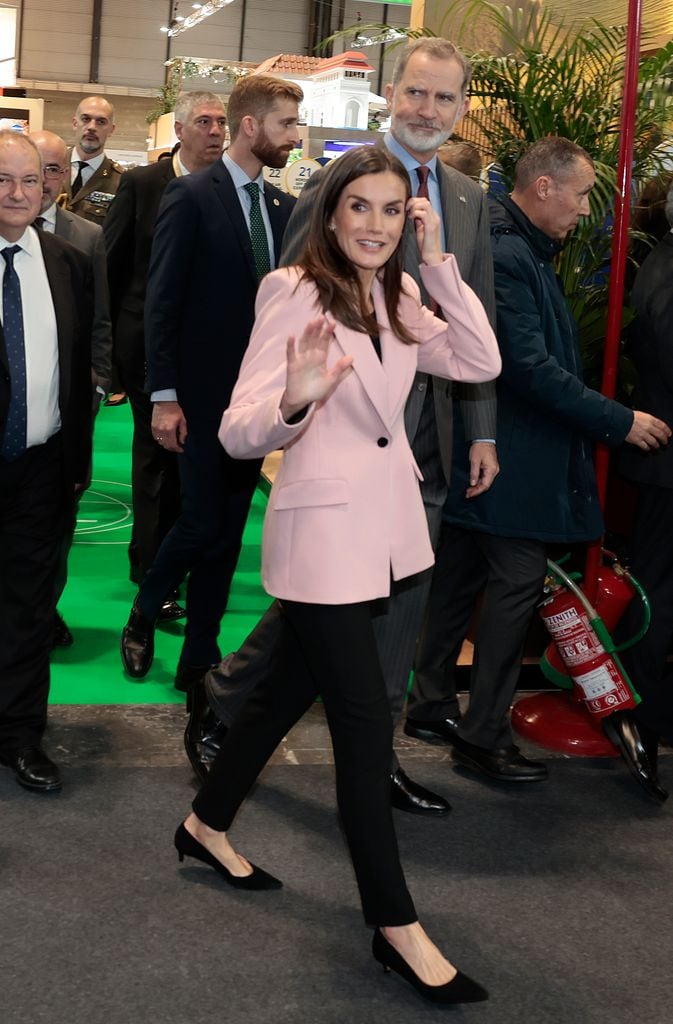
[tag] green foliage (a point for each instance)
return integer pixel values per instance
(167, 96)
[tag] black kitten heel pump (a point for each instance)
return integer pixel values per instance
(188, 846)
(460, 989)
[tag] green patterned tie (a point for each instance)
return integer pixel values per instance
(260, 244)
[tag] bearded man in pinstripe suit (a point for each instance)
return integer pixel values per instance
(427, 97)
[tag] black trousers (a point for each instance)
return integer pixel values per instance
(652, 565)
(204, 542)
(155, 480)
(331, 650)
(510, 571)
(33, 503)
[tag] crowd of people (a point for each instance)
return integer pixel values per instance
(356, 330)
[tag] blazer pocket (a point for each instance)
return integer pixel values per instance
(311, 493)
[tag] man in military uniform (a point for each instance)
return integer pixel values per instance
(94, 177)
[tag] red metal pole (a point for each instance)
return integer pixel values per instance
(617, 265)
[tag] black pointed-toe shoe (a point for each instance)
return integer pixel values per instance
(621, 729)
(33, 769)
(407, 795)
(204, 734)
(137, 644)
(188, 846)
(432, 730)
(460, 989)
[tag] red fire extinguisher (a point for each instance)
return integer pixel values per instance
(582, 642)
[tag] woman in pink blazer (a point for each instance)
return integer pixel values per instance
(330, 364)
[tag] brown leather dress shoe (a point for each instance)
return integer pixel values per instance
(33, 769)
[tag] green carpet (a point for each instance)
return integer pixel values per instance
(98, 596)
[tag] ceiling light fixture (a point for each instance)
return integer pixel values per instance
(201, 12)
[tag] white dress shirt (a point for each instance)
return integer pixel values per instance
(49, 218)
(40, 337)
(87, 172)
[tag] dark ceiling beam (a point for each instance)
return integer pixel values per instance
(94, 65)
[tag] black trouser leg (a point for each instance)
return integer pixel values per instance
(32, 504)
(458, 578)
(516, 573)
(205, 541)
(358, 714)
(652, 565)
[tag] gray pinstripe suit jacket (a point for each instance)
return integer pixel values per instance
(466, 228)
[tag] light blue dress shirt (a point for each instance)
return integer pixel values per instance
(411, 163)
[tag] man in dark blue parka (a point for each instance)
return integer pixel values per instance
(546, 491)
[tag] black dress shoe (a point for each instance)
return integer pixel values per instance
(170, 611)
(204, 734)
(137, 644)
(621, 729)
(432, 730)
(187, 676)
(505, 764)
(62, 637)
(409, 796)
(33, 769)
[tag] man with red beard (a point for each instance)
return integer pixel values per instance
(218, 232)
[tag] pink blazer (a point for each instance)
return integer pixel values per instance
(346, 510)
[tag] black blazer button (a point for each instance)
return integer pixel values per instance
(382, 442)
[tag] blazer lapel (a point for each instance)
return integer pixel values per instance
(366, 366)
(59, 283)
(384, 381)
(226, 194)
(276, 219)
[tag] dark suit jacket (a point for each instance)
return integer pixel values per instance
(129, 230)
(88, 238)
(93, 200)
(651, 345)
(466, 227)
(71, 282)
(201, 289)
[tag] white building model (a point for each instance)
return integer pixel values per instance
(336, 89)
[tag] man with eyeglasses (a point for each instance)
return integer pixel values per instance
(88, 238)
(94, 177)
(46, 288)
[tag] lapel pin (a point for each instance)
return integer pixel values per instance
(276, 202)
(462, 199)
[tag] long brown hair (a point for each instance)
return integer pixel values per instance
(324, 263)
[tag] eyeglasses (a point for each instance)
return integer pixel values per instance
(8, 181)
(53, 171)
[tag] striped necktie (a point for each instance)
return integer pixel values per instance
(260, 244)
(14, 441)
(423, 174)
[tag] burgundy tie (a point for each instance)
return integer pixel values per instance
(423, 173)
